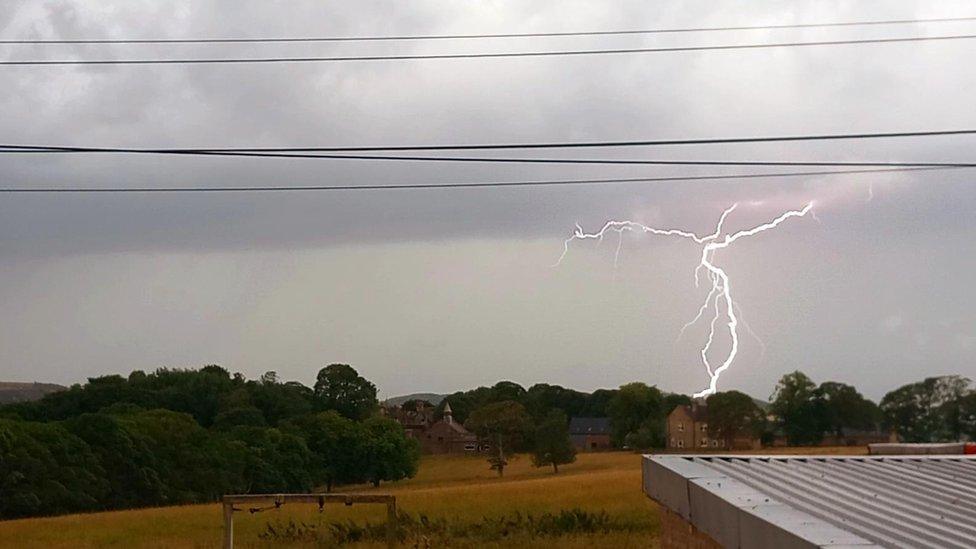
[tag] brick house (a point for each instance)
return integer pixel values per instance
(687, 429)
(590, 433)
(414, 422)
(447, 437)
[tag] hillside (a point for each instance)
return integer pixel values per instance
(432, 398)
(12, 391)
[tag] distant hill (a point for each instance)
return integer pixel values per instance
(432, 398)
(11, 391)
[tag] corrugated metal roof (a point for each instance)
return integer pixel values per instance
(890, 501)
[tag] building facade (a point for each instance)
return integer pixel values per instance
(590, 434)
(687, 429)
(436, 437)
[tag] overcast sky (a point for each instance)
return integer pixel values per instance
(440, 290)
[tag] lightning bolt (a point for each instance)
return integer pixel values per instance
(719, 298)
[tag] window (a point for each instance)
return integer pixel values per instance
(714, 444)
(704, 427)
(704, 442)
(681, 443)
(681, 427)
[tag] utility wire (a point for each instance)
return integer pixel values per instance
(490, 55)
(478, 36)
(486, 184)
(11, 147)
(526, 160)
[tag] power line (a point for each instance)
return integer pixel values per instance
(479, 36)
(486, 184)
(489, 55)
(526, 160)
(11, 148)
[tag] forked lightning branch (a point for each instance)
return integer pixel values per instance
(719, 298)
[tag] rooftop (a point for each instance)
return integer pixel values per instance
(589, 426)
(820, 501)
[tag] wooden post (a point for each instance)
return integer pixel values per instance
(278, 499)
(228, 525)
(391, 523)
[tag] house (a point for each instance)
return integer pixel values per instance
(447, 436)
(820, 501)
(415, 421)
(687, 429)
(590, 433)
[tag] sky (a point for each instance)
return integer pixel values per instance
(442, 290)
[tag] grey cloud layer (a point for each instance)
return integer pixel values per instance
(873, 274)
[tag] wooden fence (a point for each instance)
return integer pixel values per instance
(321, 499)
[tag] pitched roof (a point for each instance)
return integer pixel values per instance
(821, 501)
(589, 426)
(698, 413)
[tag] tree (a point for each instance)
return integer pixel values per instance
(338, 447)
(845, 408)
(967, 415)
(673, 400)
(502, 425)
(732, 414)
(552, 443)
(926, 411)
(598, 402)
(799, 409)
(635, 406)
(542, 398)
(389, 454)
(339, 387)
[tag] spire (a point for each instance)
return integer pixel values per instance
(448, 413)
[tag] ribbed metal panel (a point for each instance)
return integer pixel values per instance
(894, 501)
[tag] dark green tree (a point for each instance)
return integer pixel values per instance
(502, 425)
(846, 408)
(339, 387)
(636, 406)
(967, 415)
(799, 409)
(732, 414)
(389, 453)
(552, 445)
(337, 444)
(928, 410)
(542, 398)
(673, 400)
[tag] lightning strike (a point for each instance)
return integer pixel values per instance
(719, 298)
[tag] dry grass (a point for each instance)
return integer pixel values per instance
(458, 488)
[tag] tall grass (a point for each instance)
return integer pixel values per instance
(451, 490)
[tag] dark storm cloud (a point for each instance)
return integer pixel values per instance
(778, 91)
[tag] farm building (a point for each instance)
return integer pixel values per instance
(835, 502)
(448, 437)
(590, 433)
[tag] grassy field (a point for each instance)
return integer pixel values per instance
(457, 489)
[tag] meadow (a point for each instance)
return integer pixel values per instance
(461, 490)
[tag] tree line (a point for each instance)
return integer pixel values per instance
(799, 410)
(185, 436)
(178, 436)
